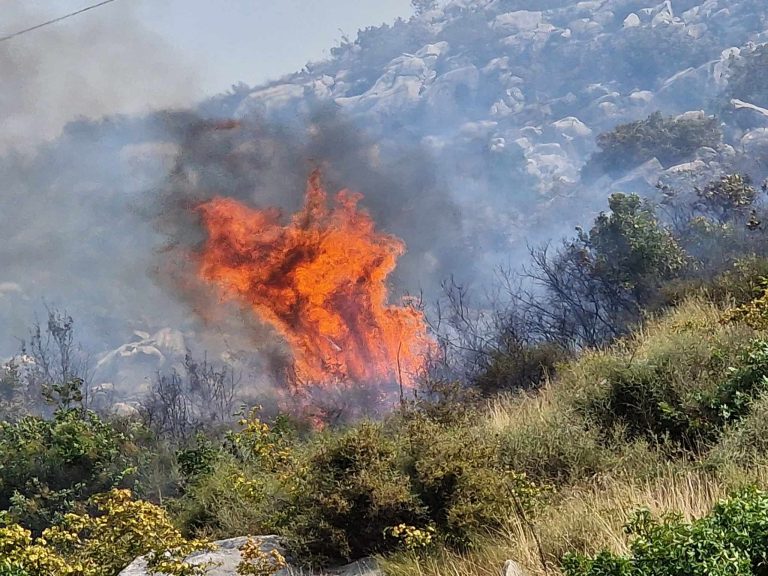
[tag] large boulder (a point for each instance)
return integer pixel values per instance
(223, 561)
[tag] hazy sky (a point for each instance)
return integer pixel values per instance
(226, 41)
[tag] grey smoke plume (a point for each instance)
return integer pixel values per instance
(70, 233)
(104, 62)
(267, 165)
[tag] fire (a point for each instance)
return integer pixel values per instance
(321, 281)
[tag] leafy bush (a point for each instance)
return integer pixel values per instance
(236, 488)
(518, 366)
(257, 562)
(460, 477)
(670, 140)
(9, 568)
(552, 446)
(407, 482)
(654, 399)
(746, 79)
(731, 541)
(598, 284)
(49, 465)
(101, 544)
(745, 444)
(353, 489)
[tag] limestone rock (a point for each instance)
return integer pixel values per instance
(225, 558)
(512, 568)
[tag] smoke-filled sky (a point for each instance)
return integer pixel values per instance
(73, 206)
(134, 55)
(257, 40)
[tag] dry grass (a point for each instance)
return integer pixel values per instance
(585, 519)
(547, 432)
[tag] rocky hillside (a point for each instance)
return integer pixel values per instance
(509, 95)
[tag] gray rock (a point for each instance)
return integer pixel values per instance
(225, 558)
(632, 21)
(512, 568)
(641, 179)
(520, 21)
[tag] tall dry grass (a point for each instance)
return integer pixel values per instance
(584, 519)
(600, 481)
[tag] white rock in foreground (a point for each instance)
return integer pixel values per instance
(226, 557)
(512, 568)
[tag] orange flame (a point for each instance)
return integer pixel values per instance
(320, 281)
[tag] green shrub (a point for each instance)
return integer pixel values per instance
(554, 448)
(102, 543)
(746, 77)
(352, 490)
(233, 500)
(596, 287)
(739, 283)
(460, 477)
(731, 541)
(744, 444)
(8, 568)
(197, 461)
(654, 399)
(49, 465)
(517, 366)
(668, 139)
(237, 488)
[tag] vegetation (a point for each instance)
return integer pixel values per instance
(731, 541)
(100, 544)
(610, 420)
(670, 140)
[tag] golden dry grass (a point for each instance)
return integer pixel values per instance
(585, 519)
(596, 499)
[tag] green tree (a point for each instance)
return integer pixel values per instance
(598, 283)
(670, 140)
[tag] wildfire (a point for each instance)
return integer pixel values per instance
(320, 281)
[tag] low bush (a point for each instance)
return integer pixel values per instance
(461, 479)
(48, 466)
(352, 490)
(642, 403)
(545, 438)
(237, 488)
(731, 541)
(99, 544)
(670, 140)
(744, 444)
(519, 367)
(672, 382)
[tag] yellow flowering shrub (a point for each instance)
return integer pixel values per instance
(261, 444)
(754, 313)
(102, 544)
(411, 537)
(257, 562)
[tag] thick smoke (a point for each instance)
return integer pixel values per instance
(266, 165)
(70, 234)
(87, 69)
(101, 221)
